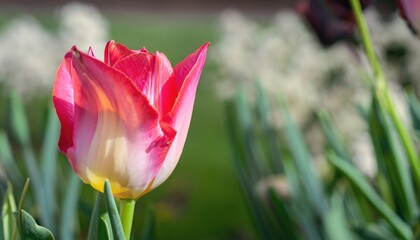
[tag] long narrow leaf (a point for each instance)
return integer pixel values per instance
(357, 179)
(335, 221)
(268, 129)
(105, 228)
(283, 216)
(94, 219)
(17, 121)
(332, 136)
(69, 213)
(149, 225)
(20, 130)
(38, 187)
(244, 176)
(336, 143)
(404, 135)
(8, 224)
(414, 106)
(256, 159)
(391, 157)
(300, 206)
(49, 159)
(303, 161)
(9, 163)
(114, 217)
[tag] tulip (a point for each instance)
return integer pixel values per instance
(328, 27)
(342, 8)
(126, 118)
(331, 20)
(410, 11)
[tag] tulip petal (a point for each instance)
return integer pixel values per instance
(183, 86)
(149, 73)
(118, 135)
(190, 69)
(64, 103)
(161, 73)
(114, 52)
(138, 68)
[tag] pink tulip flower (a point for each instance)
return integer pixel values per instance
(126, 118)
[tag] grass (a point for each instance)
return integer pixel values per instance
(201, 199)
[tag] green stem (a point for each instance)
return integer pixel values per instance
(404, 135)
(126, 214)
(367, 42)
(383, 92)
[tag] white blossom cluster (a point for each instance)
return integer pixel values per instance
(30, 54)
(286, 58)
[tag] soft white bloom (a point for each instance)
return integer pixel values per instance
(30, 54)
(285, 57)
(82, 25)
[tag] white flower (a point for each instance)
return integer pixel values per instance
(82, 25)
(287, 59)
(30, 54)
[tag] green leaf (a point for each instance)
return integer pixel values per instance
(20, 131)
(283, 216)
(379, 231)
(29, 229)
(94, 219)
(19, 127)
(105, 228)
(392, 161)
(17, 120)
(49, 160)
(332, 135)
(335, 221)
(114, 217)
(245, 175)
(32, 168)
(7, 160)
(303, 161)
(8, 220)
(414, 106)
(69, 212)
(149, 225)
(255, 158)
(300, 204)
(359, 182)
(268, 128)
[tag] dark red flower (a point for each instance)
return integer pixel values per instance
(332, 20)
(328, 27)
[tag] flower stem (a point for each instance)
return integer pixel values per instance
(367, 43)
(126, 214)
(381, 89)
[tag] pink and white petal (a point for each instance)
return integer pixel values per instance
(119, 135)
(180, 115)
(114, 52)
(64, 103)
(161, 73)
(186, 72)
(138, 68)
